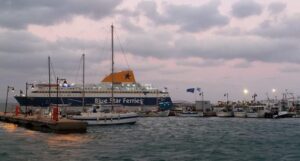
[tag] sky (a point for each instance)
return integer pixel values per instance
(220, 46)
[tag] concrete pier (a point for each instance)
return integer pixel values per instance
(45, 124)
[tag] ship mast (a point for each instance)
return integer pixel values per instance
(83, 74)
(112, 67)
(49, 75)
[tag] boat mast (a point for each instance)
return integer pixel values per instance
(49, 76)
(112, 67)
(83, 91)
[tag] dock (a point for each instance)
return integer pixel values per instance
(45, 124)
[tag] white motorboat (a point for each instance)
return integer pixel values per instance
(164, 113)
(224, 112)
(285, 114)
(96, 116)
(256, 111)
(190, 114)
(239, 112)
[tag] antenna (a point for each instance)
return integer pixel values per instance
(83, 75)
(112, 67)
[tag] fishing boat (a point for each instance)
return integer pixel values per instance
(256, 111)
(190, 114)
(239, 111)
(156, 113)
(224, 112)
(285, 110)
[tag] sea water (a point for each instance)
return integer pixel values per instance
(160, 139)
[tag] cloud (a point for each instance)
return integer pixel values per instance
(242, 64)
(130, 26)
(246, 8)
(188, 18)
(250, 48)
(276, 7)
(24, 54)
(197, 62)
(287, 27)
(19, 14)
(290, 69)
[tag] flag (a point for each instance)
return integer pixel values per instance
(255, 95)
(200, 94)
(198, 89)
(190, 90)
(225, 94)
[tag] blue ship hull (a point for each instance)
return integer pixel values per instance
(88, 101)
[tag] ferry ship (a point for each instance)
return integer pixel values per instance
(127, 93)
(117, 88)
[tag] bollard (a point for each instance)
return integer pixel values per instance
(55, 113)
(17, 110)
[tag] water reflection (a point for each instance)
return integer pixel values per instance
(9, 127)
(62, 140)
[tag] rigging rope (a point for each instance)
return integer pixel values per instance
(122, 51)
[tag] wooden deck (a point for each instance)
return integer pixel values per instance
(45, 123)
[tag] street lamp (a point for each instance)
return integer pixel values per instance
(274, 91)
(8, 88)
(27, 84)
(246, 92)
(57, 88)
(227, 101)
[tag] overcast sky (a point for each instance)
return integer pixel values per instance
(221, 46)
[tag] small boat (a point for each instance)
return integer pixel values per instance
(164, 113)
(98, 116)
(189, 111)
(256, 111)
(285, 114)
(239, 112)
(190, 114)
(224, 112)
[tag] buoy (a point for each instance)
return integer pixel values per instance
(17, 110)
(55, 113)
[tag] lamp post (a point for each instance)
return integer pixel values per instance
(246, 92)
(27, 84)
(274, 93)
(8, 87)
(57, 88)
(227, 101)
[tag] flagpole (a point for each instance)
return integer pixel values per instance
(202, 101)
(227, 99)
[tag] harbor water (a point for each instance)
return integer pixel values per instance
(160, 139)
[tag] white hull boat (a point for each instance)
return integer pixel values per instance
(260, 114)
(190, 114)
(239, 114)
(155, 114)
(285, 114)
(224, 114)
(252, 114)
(101, 118)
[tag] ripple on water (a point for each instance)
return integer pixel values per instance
(165, 139)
